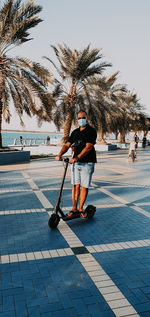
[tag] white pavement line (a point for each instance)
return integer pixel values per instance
(11, 178)
(23, 211)
(73, 241)
(136, 208)
(44, 201)
(109, 206)
(141, 211)
(94, 269)
(111, 293)
(143, 204)
(37, 255)
(108, 193)
(69, 235)
(118, 246)
(55, 188)
(14, 190)
(106, 286)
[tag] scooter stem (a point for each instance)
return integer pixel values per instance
(57, 208)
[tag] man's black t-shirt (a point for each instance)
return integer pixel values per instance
(79, 139)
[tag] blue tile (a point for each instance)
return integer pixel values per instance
(15, 184)
(50, 183)
(80, 306)
(51, 307)
(8, 303)
(19, 200)
(145, 314)
(66, 313)
(33, 312)
(37, 302)
(132, 194)
(21, 309)
(96, 309)
(29, 233)
(111, 225)
(140, 308)
(49, 314)
(65, 301)
(79, 294)
(13, 291)
(132, 288)
(8, 314)
(147, 207)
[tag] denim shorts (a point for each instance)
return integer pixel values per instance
(81, 173)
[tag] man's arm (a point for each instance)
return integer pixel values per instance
(63, 150)
(84, 152)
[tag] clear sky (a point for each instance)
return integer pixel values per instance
(121, 28)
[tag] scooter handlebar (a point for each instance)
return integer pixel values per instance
(66, 160)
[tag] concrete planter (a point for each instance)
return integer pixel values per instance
(105, 147)
(14, 157)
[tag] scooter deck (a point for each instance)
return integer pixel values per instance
(74, 216)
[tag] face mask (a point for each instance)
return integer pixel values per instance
(82, 122)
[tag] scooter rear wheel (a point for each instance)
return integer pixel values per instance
(53, 221)
(90, 210)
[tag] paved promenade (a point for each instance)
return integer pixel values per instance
(98, 267)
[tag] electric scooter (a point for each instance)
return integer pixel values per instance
(58, 213)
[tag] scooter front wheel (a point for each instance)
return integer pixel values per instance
(53, 221)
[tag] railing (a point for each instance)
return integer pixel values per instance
(35, 141)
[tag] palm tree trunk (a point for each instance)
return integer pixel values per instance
(71, 100)
(0, 124)
(67, 128)
(145, 133)
(116, 135)
(122, 137)
(100, 136)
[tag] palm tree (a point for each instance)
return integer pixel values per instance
(103, 109)
(21, 81)
(129, 107)
(71, 91)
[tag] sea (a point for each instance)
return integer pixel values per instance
(8, 138)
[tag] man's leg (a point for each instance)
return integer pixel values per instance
(75, 196)
(83, 196)
(87, 170)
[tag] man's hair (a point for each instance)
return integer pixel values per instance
(81, 110)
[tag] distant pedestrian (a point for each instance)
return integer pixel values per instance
(132, 147)
(136, 139)
(48, 140)
(144, 142)
(21, 141)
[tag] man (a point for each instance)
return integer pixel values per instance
(82, 141)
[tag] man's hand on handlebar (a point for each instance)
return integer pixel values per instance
(58, 158)
(72, 160)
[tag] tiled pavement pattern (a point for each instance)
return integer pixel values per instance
(97, 267)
